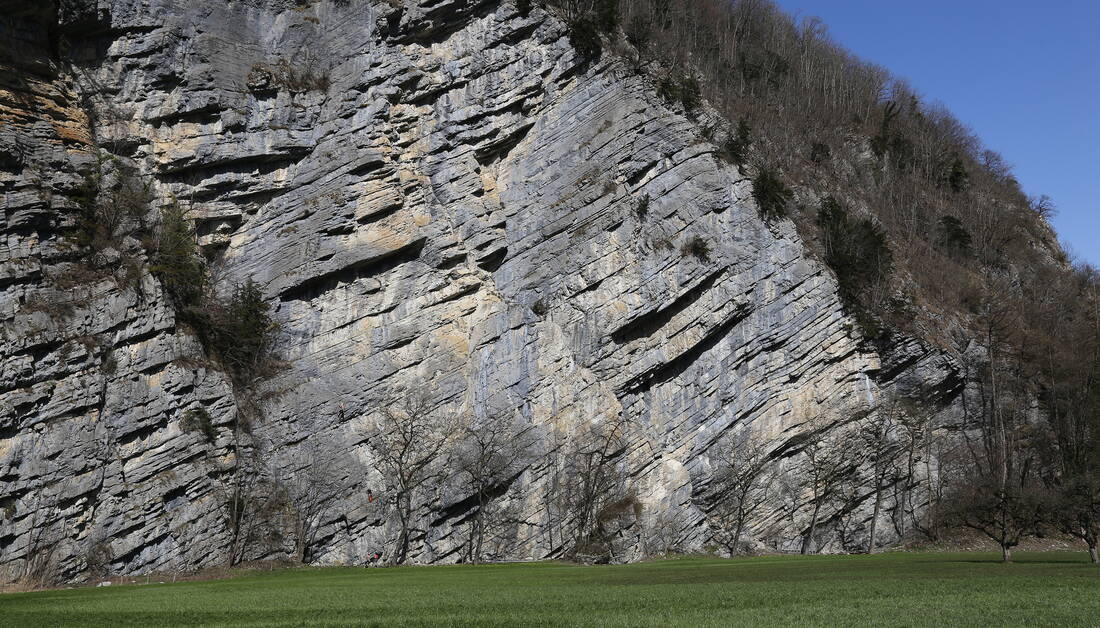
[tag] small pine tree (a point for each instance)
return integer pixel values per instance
(771, 194)
(958, 178)
(642, 208)
(176, 259)
(606, 15)
(247, 329)
(585, 38)
(953, 237)
(858, 252)
(691, 95)
(820, 152)
(736, 147)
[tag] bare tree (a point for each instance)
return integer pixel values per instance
(847, 518)
(588, 487)
(998, 493)
(311, 489)
(918, 460)
(1004, 513)
(1077, 511)
(244, 501)
(40, 566)
(664, 533)
(879, 436)
(492, 453)
(741, 485)
(829, 459)
(1070, 313)
(409, 438)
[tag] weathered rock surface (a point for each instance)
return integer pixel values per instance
(440, 197)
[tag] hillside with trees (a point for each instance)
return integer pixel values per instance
(928, 232)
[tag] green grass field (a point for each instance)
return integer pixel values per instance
(918, 589)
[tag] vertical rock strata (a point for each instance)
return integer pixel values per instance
(441, 197)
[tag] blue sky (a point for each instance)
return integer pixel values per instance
(1024, 75)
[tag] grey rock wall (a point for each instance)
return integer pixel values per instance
(437, 197)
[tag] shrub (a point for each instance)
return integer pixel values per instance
(735, 149)
(858, 253)
(249, 330)
(661, 242)
(198, 420)
(820, 152)
(238, 332)
(697, 247)
(296, 79)
(88, 231)
(952, 237)
(176, 259)
(642, 208)
(683, 89)
(540, 308)
(585, 38)
(771, 194)
(98, 559)
(109, 209)
(958, 179)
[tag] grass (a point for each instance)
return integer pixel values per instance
(897, 589)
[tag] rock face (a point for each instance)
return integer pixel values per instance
(438, 196)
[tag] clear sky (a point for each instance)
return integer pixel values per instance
(1023, 74)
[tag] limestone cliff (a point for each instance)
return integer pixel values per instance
(439, 196)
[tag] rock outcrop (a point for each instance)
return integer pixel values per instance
(438, 196)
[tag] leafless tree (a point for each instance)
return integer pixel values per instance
(491, 454)
(40, 566)
(664, 534)
(742, 484)
(243, 501)
(1044, 207)
(1003, 512)
(828, 458)
(588, 488)
(921, 460)
(410, 438)
(1076, 511)
(998, 494)
(310, 491)
(881, 445)
(847, 518)
(1068, 312)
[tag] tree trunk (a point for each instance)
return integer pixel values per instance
(809, 538)
(479, 534)
(874, 516)
(402, 546)
(737, 539)
(405, 505)
(1006, 554)
(1093, 555)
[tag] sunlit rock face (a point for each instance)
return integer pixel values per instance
(441, 197)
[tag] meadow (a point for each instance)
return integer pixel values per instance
(893, 589)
